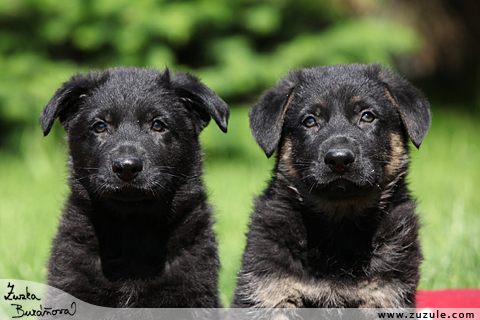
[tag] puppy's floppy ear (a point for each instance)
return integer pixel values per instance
(266, 117)
(412, 106)
(66, 100)
(204, 101)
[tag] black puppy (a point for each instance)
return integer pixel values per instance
(336, 225)
(136, 229)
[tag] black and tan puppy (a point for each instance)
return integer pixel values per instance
(136, 229)
(336, 226)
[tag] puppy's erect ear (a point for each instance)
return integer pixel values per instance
(412, 106)
(67, 99)
(266, 117)
(204, 101)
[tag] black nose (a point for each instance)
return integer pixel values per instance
(339, 159)
(127, 168)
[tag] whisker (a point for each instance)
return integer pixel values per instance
(311, 187)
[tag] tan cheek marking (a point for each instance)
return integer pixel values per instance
(286, 162)
(398, 156)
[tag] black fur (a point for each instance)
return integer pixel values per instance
(136, 229)
(336, 226)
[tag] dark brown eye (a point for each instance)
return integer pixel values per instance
(368, 117)
(309, 122)
(158, 126)
(100, 127)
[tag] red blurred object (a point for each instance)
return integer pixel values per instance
(448, 298)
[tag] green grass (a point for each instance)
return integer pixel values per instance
(445, 177)
(31, 191)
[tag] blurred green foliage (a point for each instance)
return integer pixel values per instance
(238, 47)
